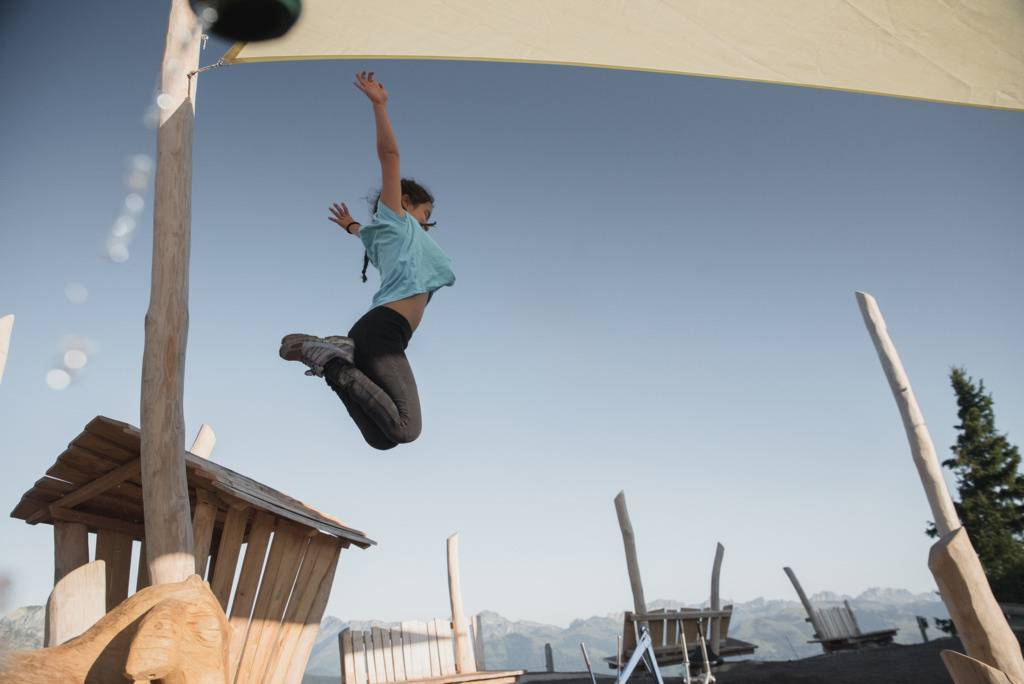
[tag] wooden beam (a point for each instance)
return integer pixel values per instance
(966, 670)
(164, 486)
(632, 564)
(248, 581)
(549, 659)
(70, 547)
(6, 325)
(99, 522)
(115, 550)
(142, 576)
(921, 446)
(89, 490)
(716, 600)
(463, 650)
(811, 615)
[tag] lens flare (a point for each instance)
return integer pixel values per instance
(76, 293)
(58, 379)
(75, 359)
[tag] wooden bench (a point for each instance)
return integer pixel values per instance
(671, 630)
(438, 651)
(835, 627)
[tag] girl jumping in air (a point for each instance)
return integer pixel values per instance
(368, 368)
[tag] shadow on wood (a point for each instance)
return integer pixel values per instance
(173, 632)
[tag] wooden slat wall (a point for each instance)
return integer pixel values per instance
(410, 652)
(248, 582)
(231, 537)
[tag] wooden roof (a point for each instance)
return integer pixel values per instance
(96, 481)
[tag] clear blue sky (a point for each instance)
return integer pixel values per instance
(655, 293)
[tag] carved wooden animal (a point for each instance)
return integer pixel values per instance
(173, 632)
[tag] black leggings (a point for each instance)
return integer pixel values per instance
(379, 391)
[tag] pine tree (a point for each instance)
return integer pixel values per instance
(991, 489)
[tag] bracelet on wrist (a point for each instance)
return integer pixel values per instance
(349, 226)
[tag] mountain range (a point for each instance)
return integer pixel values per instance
(778, 628)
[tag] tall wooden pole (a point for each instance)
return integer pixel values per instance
(716, 599)
(463, 649)
(632, 564)
(953, 561)
(164, 487)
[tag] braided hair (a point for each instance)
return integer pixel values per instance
(416, 193)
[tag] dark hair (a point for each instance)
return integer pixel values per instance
(417, 195)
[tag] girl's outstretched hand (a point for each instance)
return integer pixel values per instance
(340, 215)
(373, 89)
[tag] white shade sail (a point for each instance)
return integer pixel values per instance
(959, 51)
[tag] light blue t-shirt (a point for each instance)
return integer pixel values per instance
(409, 260)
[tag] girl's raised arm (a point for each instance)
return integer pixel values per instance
(387, 146)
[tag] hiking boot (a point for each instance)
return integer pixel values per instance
(317, 353)
(291, 345)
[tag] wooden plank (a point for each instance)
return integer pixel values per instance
(92, 489)
(117, 432)
(115, 550)
(202, 445)
(398, 654)
(360, 661)
(228, 551)
(715, 627)
(804, 600)
(307, 638)
(549, 659)
(286, 552)
(416, 649)
(202, 531)
(97, 522)
(463, 651)
(70, 548)
(77, 602)
(477, 630)
(432, 651)
(316, 562)
(248, 581)
(142, 577)
(380, 664)
(348, 665)
(504, 677)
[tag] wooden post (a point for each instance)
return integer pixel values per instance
(921, 445)
(716, 600)
(6, 324)
(549, 658)
(811, 617)
(477, 625)
(463, 649)
(965, 590)
(922, 624)
(979, 621)
(164, 487)
(70, 548)
(629, 543)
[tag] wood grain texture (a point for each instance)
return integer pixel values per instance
(286, 552)
(348, 665)
(248, 582)
(174, 632)
(166, 503)
(202, 531)
(228, 550)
